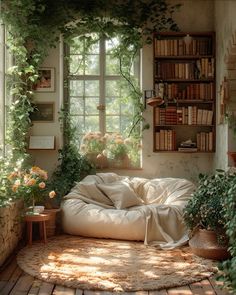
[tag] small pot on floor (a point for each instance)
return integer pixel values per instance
(204, 244)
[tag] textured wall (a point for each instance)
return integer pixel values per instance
(11, 226)
(225, 26)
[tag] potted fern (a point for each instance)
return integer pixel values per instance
(205, 216)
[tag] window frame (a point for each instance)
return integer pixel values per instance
(102, 78)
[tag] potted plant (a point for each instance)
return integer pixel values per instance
(30, 185)
(205, 216)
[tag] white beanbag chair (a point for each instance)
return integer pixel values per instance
(106, 205)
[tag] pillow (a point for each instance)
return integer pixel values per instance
(121, 194)
(90, 190)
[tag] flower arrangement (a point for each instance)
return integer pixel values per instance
(30, 184)
(115, 146)
(111, 146)
(92, 142)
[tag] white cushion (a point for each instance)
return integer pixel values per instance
(90, 190)
(121, 194)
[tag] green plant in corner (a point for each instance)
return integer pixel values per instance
(206, 209)
(228, 267)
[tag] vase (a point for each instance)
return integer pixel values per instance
(51, 223)
(204, 244)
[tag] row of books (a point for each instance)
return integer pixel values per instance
(165, 140)
(200, 69)
(198, 91)
(174, 47)
(205, 141)
(191, 115)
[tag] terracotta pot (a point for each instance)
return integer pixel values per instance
(204, 243)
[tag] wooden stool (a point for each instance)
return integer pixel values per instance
(41, 219)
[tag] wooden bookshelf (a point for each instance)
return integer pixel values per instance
(184, 70)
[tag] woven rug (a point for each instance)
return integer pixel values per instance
(112, 265)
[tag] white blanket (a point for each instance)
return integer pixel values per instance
(88, 211)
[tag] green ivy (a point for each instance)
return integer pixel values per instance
(34, 26)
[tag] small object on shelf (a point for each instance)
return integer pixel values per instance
(155, 101)
(188, 144)
(187, 149)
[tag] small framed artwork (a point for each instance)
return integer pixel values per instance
(46, 80)
(44, 112)
(42, 143)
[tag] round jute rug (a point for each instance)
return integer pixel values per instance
(112, 265)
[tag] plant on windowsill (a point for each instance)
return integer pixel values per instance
(204, 216)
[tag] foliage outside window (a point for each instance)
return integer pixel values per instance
(100, 99)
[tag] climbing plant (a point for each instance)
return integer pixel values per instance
(34, 27)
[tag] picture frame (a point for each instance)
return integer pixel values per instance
(44, 112)
(46, 80)
(42, 142)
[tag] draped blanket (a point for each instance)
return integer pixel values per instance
(107, 205)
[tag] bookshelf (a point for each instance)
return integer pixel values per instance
(184, 76)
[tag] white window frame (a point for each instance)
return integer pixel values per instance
(102, 78)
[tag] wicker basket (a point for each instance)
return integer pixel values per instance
(204, 243)
(51, 223)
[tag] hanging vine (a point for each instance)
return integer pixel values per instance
(34, 28)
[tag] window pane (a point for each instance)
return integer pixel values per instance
(111, 44)
(91, 123)
(78, 123)
(112, 88)
(77, 106)
(76, 88)
(91, 88)
(112, 106)
(126, 107)
(112, 124)
(76, 65)
(92, 65)
(112, 65)
(126, 123)
(91, 104)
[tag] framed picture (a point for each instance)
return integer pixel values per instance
(44, 112)
(46, 80)
(42, 143)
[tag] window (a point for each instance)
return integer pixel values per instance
(5, 97)
(2, 88)
(98, 96)
(100, 100)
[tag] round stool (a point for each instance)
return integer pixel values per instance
(41, 219)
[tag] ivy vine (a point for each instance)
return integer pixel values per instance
(34, 27)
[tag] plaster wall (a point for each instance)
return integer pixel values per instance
(225, 26)
(192, 16)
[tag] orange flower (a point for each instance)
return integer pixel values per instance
(31, 182)
(42, 184)
(12, 175)
(52, 194)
